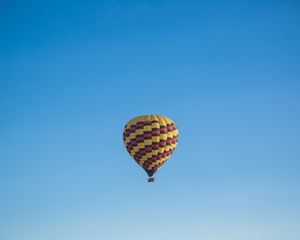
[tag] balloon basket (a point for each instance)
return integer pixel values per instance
(151, 179)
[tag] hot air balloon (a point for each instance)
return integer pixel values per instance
(150, 140)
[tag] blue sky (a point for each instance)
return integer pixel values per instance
(72, 73)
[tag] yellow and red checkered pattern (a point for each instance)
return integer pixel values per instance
(150, 140)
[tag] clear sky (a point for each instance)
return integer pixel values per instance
(72, 73)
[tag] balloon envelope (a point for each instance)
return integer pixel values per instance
(150, 140)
